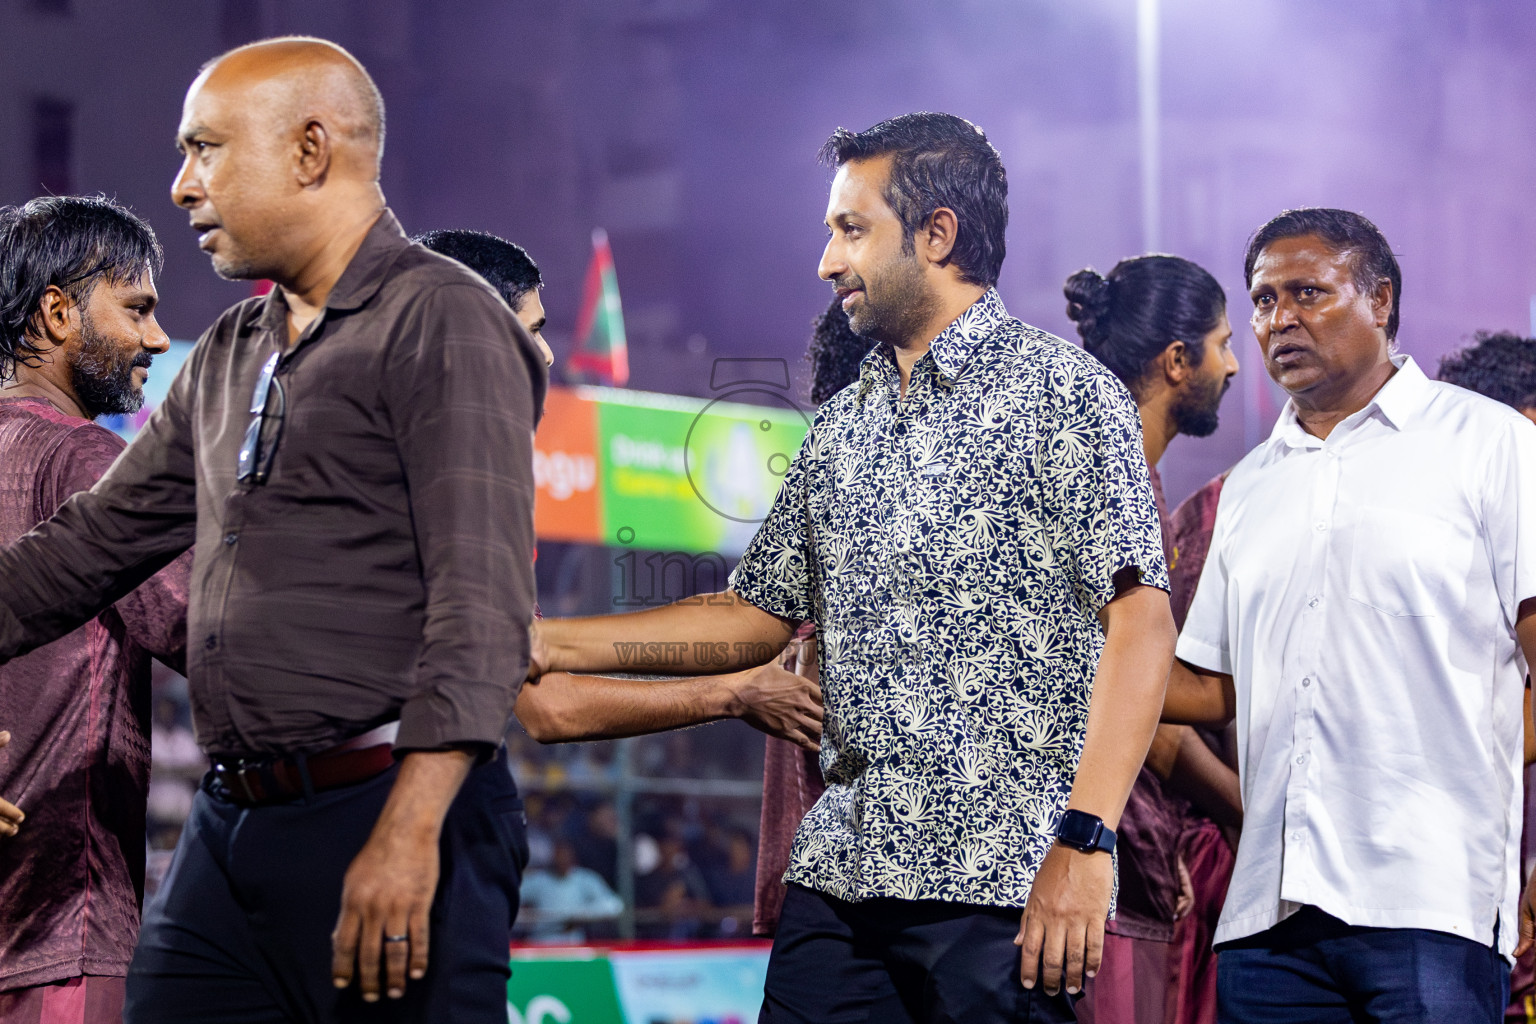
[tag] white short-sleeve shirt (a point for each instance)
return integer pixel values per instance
(1363, 593)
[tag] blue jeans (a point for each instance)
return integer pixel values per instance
(1316, 969)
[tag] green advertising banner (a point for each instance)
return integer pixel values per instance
(697, 984)
(562, 991)
(679, 474)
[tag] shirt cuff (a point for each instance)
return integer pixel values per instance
(772, 600)
(436, 721)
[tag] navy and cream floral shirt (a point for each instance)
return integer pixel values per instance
(954, 548)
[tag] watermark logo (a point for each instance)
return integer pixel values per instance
(735, 465)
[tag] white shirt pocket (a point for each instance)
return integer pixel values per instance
(1410, 563)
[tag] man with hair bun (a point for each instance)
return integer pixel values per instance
(1365, 615)
(1160, 324)
(78, 337)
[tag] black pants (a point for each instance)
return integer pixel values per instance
(240, 931)
(884, 961)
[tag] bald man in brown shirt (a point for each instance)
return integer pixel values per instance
(352, 455)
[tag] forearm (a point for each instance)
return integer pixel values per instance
(699, 635)
(559, 707)
(424, 788)
(1197, 697)
(1127, 696)
(1205, 780)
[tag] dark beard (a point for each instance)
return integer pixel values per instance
(1195, 413)
(102, 373)
(903, 309)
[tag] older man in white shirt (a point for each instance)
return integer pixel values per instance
(1365, 616)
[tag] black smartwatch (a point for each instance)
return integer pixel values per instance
(1086, 832)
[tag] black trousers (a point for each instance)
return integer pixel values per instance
(885, 961)
(240, 931)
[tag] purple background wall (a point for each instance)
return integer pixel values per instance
(688, 129)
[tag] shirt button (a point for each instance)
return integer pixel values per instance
(211, 642)
(1314, 602)
(1301, 758)
(1295, 837)
(230, 538)
(1320, 526)
(1306, 681)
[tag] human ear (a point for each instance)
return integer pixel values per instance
(314, 155)
(1176, 364)
(1381, 302)
(938, 235)
(52, 317)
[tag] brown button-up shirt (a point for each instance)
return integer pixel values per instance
(384, 570)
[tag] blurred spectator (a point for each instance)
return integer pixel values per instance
(561, 900)
(676, 891)
(731, 880)
(597, 844)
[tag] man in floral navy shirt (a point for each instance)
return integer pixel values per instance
(972, 529)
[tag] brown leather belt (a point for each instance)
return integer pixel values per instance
(252, 782)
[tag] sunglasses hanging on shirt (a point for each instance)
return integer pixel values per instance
(261, 436)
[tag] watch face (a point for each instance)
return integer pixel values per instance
(1080, 830)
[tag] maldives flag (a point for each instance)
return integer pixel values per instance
(601, 350)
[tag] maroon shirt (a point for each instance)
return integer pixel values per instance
(1153, 821)
(792, 783)
(78, 714)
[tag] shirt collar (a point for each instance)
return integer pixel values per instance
(951, 351)
(1404, 394)
(361, 280)
(958, 342)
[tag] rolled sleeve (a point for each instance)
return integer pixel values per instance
(1101, 511)
(774, 573)
(461, 392)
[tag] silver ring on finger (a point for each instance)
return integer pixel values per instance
(397, 938)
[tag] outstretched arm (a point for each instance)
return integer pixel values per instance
(559, 707)
(694, 636)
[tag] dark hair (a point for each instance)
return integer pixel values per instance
(1146, 303)
(506, 265)
(1500, 366)
(834, 353)
(67, 242)
(938, 160)
(1345, 232)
